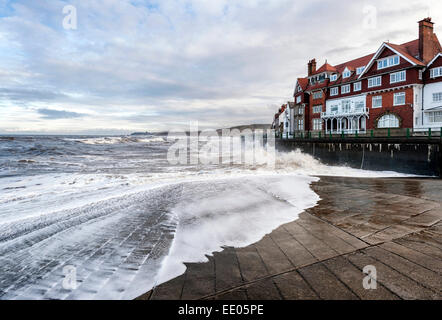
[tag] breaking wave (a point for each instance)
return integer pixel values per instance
(126, 219)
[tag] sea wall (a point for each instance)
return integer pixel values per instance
(413, 156)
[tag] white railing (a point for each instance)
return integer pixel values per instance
(344, 113)
(347, 131)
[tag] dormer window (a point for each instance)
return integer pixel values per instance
(346, 74)
(359, 70)
(388, 62)
(333, 77)
(436, 72)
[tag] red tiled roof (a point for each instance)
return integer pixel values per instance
(352, 65)
(303, 83)
(356, 63)
(408, 50)
(412, 47)
(437, 46)
(325, 68)
(318, 85)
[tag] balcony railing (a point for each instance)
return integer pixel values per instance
(345, 113)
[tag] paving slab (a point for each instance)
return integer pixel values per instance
(274, 258)
(227, 272)
(394, 224)
(414, 256)
(293, 287)
(396, 282)
(251, 264)
(326, 284)
(263, 290)
(199, 280)
(318, 248)
(425, 277)
(353, 278)
(297, 254)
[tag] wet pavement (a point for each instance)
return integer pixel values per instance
(393, 224)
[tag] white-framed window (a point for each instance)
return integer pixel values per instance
(398, 76)
(359, 70)
(346, 74)
(346, 106)
(345, 89)
(334, 109)
(357, 86)
(359, 105)
(301, 110)
(333, 77)
(435, 116)
(317, 124)
(301, 124)
(317, 95)
(399, 99)
(298, 99)
(388, 62)
(437, 97)
(376, 102)
(436, 72)
(317, 109)
(388, 121)
(334, 91)
(375, 82)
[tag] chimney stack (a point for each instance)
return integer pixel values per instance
(426, 30)
(311, 67)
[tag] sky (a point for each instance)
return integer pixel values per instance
(138, 65)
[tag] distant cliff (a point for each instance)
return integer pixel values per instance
(249, 126)
(242, 127)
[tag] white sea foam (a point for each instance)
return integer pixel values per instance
(235, 213)
(118, 140)
(130, 230)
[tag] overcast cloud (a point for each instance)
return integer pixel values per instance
(136, 65)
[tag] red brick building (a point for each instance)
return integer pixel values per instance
(385, 89)
(301, 107)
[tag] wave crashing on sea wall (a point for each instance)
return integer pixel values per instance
(123, 246)
(126, 220)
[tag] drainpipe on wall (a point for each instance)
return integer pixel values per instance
(423, 94)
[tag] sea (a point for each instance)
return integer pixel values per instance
(111, 217)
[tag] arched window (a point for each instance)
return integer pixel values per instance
(388, 121)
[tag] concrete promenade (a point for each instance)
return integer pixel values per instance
(392, 224)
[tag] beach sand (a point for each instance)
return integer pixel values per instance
(393, 224)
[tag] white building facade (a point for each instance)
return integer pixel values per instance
(285, 118)
(348, 115)
(428, 114)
